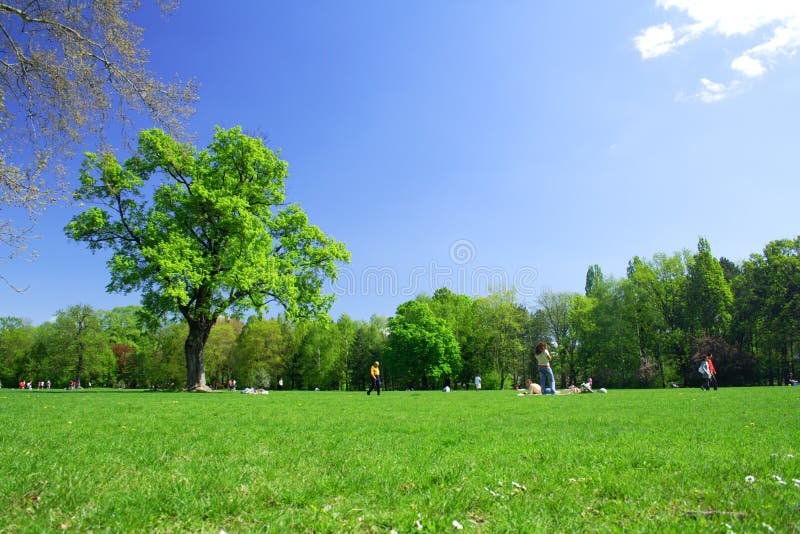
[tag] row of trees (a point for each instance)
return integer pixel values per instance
(645, 330)
(652, 327)
(649, 329)
(116, 348)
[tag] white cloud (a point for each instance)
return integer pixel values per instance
(749, 66)
(710, 91)
(749, 18)
(733, 17)
(655, 41)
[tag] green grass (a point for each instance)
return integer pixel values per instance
(666, 461)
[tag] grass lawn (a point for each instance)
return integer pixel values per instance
(651, 461)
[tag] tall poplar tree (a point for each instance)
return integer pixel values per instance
(709, 295)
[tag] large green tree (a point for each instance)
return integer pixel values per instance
(211, 236)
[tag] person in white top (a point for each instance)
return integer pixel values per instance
(545, 371)
(705, 373)
(477, 383)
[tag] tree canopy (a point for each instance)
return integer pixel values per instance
(66, 68)
(422, 346)
(214, 237)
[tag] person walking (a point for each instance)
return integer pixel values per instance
(477, 383)
(543, 358)
(705, 373)
(712, 373)
(375, 374)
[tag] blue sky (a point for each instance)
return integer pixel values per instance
(467, 144)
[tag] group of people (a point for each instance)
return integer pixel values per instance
(41, 384)
(708, 373)
(532, 388)
(546, 386)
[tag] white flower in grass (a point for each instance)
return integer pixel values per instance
(776, 477)
(393, 531)
(790, 455)
(457, 525)
(418, 525)
(750, 478)
(766, 526)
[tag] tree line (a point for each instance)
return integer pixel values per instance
(645, 330)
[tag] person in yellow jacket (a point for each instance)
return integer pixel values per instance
(375, 373)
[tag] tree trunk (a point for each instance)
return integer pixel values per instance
(199, 331)
(79, 368)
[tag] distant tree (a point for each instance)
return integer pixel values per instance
(554, 308)
(594, 277)
(126, 330)
(165, 357)
(44, 357)
(318, 361)
(215, 239)
(768, 308)
(262, 351)
(502, 323)
(219, 350)
(345, 330)
(369, 344)
(709, 295)
(66, 68)
(461, 315)
(658, 288)
(783, 302)
(422, 348)
(730, 269)
(648, 322)
(16, 339)
(582, 317)
(83, 348)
